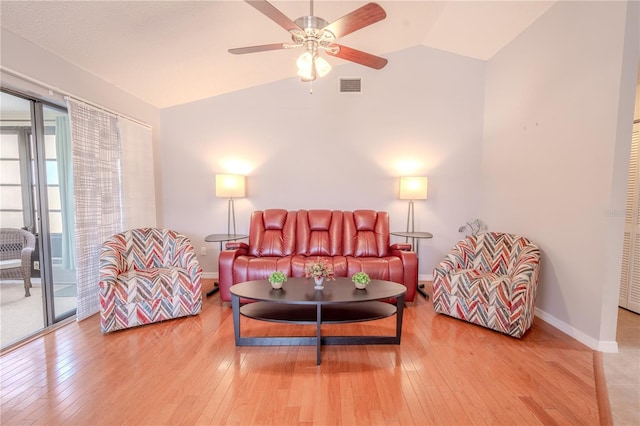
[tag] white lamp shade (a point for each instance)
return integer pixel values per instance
(413, 188)
(230, 186)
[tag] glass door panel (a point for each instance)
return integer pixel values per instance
(20, 315)
(60, 210)
(35, 172)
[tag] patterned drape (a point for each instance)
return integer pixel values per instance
(97, 194)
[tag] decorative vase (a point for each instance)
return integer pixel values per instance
(361, 286)
(277, 285)
(319, 283)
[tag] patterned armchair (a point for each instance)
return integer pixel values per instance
(16, 247)
(147, 275)
(491, 280)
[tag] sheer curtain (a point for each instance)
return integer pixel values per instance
(114, 189)
(65, 179)
(97, 194)
(138, 181)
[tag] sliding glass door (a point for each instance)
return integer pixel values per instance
(36, 199)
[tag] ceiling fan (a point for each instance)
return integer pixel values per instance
(315, 35)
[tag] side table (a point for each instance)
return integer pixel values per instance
(221, 238)
(415, 236)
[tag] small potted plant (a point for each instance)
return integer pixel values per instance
(277, 279)
(319, 271)
(361, 279)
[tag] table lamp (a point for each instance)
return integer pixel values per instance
(412, 188)
(230, 186)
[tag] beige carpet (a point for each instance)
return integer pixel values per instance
(623, 371)
(21, 316)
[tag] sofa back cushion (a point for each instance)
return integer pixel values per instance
(366, 233)
(319, 233)
(272, 233)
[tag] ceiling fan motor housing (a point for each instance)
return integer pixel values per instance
(313, 32)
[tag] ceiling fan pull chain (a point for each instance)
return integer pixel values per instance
(311, 87)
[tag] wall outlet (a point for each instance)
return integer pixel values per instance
(36, 265)
(203, 251)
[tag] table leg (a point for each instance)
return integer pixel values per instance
(420, 286)
(215, 285)
(319, 339)
(422, 292)
(214, 290)
(399, 313)
(235, 307)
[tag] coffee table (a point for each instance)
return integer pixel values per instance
(297, 302)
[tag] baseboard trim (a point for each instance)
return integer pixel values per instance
(425, 277)
(597, 345)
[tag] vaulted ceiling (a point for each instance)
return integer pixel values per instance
(172, 52)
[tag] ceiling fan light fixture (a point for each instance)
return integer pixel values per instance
(305, 67)
(322, 66)
(316, 35)
(310, 67)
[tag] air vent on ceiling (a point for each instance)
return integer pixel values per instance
(350, 85)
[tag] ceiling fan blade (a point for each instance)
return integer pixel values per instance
(274, 14)
(368, 14)
(357, 56)
(261, 48)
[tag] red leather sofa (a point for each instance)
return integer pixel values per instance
(286, 241)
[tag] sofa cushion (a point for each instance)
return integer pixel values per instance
(319, 233)
(366, 233)
(299, 264)
(247, 268)
(388, 268)
(272, 233)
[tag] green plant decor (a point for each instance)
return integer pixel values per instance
(277, 279)
(361, 279)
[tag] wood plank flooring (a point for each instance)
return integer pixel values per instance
(188, 371)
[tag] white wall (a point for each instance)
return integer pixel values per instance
(558, 112)
(421, 114)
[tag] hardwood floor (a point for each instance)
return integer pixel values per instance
(188, 371)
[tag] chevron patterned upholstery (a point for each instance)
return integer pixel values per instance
(147, 275)
(489, 279)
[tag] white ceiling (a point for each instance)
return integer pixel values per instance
(172, 52)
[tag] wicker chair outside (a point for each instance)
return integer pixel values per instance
(16, 247)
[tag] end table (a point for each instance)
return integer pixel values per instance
(415, 236)
(221, 238)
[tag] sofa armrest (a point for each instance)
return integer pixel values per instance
(409, 261)
(234, 245)
(401, 246)
(225, 269)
